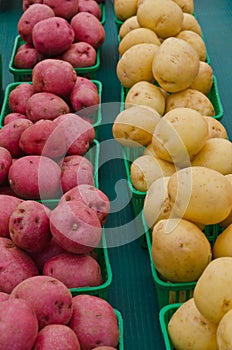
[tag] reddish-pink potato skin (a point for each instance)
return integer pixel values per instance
(90, 6)
(94, 322)
(29, 226)
(4, 296)
(76, 170)
(49, 298)
(13, 116)
(34, 14)
(75, 227)
(88, 28)
(55, 76)
(15, 265)
(7, 205)
(27, 3)
(17, 315)
(18, 97)
(80, 54)
(27, 58)
(5, 163)
(104, 348)
(92, 196)
(52, 36)
(57, 337)
(84, 96)
(74, 270)
(66, 8)
(35, 177)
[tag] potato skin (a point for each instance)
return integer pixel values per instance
(5, 163)
(18, 97)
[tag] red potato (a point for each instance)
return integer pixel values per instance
(7, 205)
(35, 177)
(75, 227)
(79, 133)
(15, 265)
(76, 170)
(18, 97)
(88, 28)
(92, 196)
(49, 298)
(13, 116)
(43, 138)
(80, 54)
(45, 105)
(104, 348)
(85, 81)
(5, 163)
(18, 326)
(29, 226)
(32, 15)
(10, 135)
(94, 322)
(66, 8)
(52, 36)
(74, 270)
(55, 76)
(57, 337)
(27, 3)
(83, 96)
(4, 296)
(90, 6)
(27, 58)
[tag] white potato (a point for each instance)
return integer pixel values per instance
(223, 243)
(125, 8)
(224, 335)
(129, 24)
(196, 41)
(216, 128)
(204, 79)
(191, 23)
(187, 6)
(228, 220)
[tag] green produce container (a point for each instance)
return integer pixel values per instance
(169, 292)
(95, 116)
(165, 315)
(103, 10)
(213, 96)
(121, 330)
(21, 75)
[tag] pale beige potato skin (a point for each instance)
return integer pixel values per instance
(223, 243)
(180, 250)
(204, 79)
(191, 23)
(164, 17)
(128, 25)
(146, 169)
(190, 98)
(150, 150)
(134, 126)
(228, 220)
(200, 194)
(125, 8)
(175, 65)
(224, 335)
(213, 290)
(196, 41)
(216, 128)
(179, 136)
(215, 154)
(198, 334)
(148, 94)
(156, 203)
(187, 6)
(136, 64)
(137, 36)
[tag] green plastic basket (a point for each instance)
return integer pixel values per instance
(169, 292)
(26, 74)
(213, 96)
(165, 315)
(121, 330)
(103, 11)
(95, 117)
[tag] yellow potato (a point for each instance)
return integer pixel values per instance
(136, 64)
(215, 154)
(204, 79)
(180, 250)
(196, 41)
(228, 220)
(213, 290)
(150, 150)
(200, 194)
(156, 203)
(134, 126)
(125, 8)
(224, 335)
(187, 6)
(198, 334)
(216, 128)
(146, 169)
(191, 23)
(164, 17)
(175, 65)
(223, 243)
(148, 94)
(137, 36)
(179, 136)
(128, 25)
(190, 98)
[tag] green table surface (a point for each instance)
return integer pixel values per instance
(132, 291)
